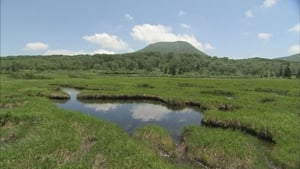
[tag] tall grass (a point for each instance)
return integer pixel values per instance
(37, 133)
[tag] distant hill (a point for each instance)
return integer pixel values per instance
(174, 47)
(293, 58)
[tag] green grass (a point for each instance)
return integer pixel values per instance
(157, 138)
(220, 148)
(37, 134)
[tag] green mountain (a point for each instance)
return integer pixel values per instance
(181, 47)
(293, 58)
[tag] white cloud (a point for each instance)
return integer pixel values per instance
(63, 52)
(264, 36)
(181, 13)
(79, 52)
(269, 3)
(296, 28)
(249, 14)
(35, 46)
(102, 51)
(102, 107)
(186, 26)
(107, 41)
(128, 17)
(156, 33)
(294, 49)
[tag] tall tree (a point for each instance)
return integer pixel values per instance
(287, 73)
(298, 73)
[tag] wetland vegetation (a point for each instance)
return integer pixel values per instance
(248, 123)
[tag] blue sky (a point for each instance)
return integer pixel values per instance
(223, 28)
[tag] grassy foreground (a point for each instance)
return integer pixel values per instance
(40, 135)
(37, 134)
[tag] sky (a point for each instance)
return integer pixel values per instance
(224, 28)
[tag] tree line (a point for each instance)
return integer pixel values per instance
(156, 63)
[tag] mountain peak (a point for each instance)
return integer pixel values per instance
(178, 47)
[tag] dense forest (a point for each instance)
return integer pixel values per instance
(154, 63)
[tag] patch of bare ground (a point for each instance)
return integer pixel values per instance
(180, 157)
(99, 162)
(183, 158)
(10, 136)
(11, 105)
(56, 95)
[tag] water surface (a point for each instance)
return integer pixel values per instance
(131, 115)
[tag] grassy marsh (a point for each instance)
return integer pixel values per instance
(35, 133)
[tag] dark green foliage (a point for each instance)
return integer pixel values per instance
(267, 99)
(287, 72)
(298, 73)
(270, 90)
(145, 85)
(27, 75)
(219, 92)
(153, 62)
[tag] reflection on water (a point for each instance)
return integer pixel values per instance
(131, 115)
(104, 107)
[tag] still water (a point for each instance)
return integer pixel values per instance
(131, 115)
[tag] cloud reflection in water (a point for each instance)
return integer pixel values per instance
(149, 112)
(102, 107)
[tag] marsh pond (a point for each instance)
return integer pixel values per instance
(130, 114)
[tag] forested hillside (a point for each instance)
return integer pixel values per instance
(295, 58)
(179, 47)
(155, 63)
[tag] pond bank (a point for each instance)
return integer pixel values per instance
(263, 135)
(135, 112)
(140, 97)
